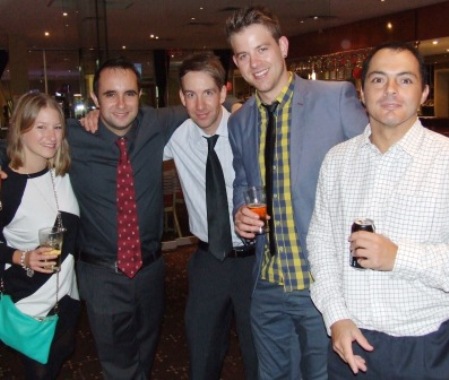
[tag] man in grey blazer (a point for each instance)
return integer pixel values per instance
(310, 118)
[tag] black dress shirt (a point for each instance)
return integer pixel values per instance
(93, 175)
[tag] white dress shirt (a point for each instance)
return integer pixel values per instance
(406, 192)
(188, 148)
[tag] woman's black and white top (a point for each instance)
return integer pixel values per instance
(29, 204)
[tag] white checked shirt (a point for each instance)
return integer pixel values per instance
(406, 192)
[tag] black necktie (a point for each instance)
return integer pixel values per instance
(218, 225)
(270, 144)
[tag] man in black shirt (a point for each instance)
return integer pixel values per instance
(124, 313)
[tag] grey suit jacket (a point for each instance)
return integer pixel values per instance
(323, 114)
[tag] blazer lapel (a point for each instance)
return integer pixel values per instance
(297, 128)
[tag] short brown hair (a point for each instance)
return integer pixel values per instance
(22, 120)
(245, 17)
(396, 46)
(116, 63)
(206, 62)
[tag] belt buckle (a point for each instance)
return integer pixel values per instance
(233, 253)
(239, 251)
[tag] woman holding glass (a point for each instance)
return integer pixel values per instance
(38, 194)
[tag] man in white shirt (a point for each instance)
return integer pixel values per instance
(388, 320)
(218, 287)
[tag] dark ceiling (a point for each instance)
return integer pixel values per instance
(176, 25)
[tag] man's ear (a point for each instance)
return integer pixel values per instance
(283, 45)
(95, 99)
(181, 96)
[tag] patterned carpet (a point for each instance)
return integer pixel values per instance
(171, 361)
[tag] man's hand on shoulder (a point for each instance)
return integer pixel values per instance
(90, 121)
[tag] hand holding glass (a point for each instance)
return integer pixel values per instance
(255, 200)
(52, 237)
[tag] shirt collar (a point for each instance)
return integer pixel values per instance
(409, 143)
(284, 96)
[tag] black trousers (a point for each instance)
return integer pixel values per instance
(124, 316)
(217, 291)
(398, 358)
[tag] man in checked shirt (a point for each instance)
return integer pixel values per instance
(310, 118)
(388, 320)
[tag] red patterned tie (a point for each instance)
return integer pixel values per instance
(129, 258)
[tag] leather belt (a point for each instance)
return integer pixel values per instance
(237, 252)
(112, 264)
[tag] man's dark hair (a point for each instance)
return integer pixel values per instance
(116, 63)
(206, 62)
(245, 17)
(396, 46)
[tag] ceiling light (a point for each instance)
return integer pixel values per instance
(47, 34)
(389, 25)
(65, 14)
(124, 47)
(435, 42)
(192, 18)
(201, 8)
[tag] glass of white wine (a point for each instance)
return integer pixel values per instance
(52, 237)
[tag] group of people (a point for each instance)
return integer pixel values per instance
(332, 161)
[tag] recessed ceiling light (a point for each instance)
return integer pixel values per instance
(124, 47)
(47, 34)
(65, 14)
(192, 18)
(435, 42)
(389, 25)
(201, 8)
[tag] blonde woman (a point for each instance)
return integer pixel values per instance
(36, 194)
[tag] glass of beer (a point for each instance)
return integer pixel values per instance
(52, 237)
(256, 201)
